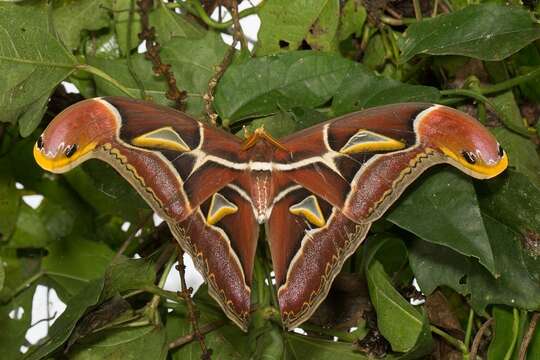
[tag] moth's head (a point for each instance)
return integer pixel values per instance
(465, 142)
(74, 134)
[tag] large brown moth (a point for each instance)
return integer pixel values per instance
(317, 191)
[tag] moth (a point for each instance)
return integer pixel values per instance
(316, 191)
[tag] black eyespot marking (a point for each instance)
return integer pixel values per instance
(469, 157)
(40, 142)
(500, 151)
(70, 150)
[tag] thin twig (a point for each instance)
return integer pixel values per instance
(528, 336)
(185, 293)
(238, 35)
(148, 34)
(186, 339)
(478, 338)
(458, 344)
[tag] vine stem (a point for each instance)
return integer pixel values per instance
(478, 337)
(458, 344)
(528, 336)
(186, 339)
(468, 332)
(100, 73)
(185, 294)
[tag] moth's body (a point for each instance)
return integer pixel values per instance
(316, 191)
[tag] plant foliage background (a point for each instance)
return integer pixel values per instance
(472, 246)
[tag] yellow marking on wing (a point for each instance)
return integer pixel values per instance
(219, 208)
(368, 141)
(163, 138)
(310, 209)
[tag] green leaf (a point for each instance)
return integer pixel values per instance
(147, 342)
(353, 17)
(285, 23)
(263, 85)
(443, 209)
(375, 54)
(516, 286)
(121, 24)
(170, 25)
(361, 88)
(505, 333)
(522, 154)
(435, 265)
(64, 325)
(305, 347)
(399, 322)
(30, 231)
(16, 317)
(72, 17)
(506, 104)
(512, 199)
(487, 32)
(74, 261)
(32, 62)
(9, 200)
(128, 274)
(323, 34)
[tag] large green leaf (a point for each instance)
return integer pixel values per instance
(72, 17)
(74, 261)
(362, 88)
(64, 325)
(263, 85)
(285, 23)
(487, 32)
(435, 266)
(16, 317)
(512, 199)
(403, 325)
(147, 342)
(32, 62)
(516, 286)
(443, 209)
